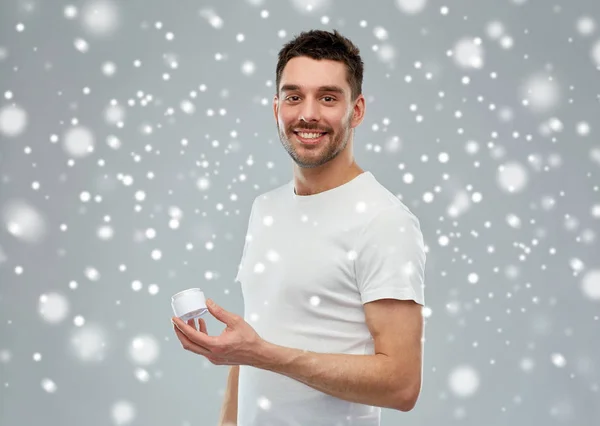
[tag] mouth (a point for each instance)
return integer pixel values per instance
(310, 138)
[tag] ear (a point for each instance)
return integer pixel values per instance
(358, 112)
(275, 107)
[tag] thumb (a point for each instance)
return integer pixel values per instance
(219, 313)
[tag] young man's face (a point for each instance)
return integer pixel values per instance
(314, 97)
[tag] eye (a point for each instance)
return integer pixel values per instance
(332, 99)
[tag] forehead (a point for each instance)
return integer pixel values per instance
(310, 74)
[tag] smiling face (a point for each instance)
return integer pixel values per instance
(315, 98)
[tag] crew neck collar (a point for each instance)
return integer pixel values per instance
(329, 192)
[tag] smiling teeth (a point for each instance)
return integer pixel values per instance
(310, 135)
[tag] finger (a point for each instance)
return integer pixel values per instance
(185, 327)
(191, 345)
(186, 336)
(202, 339)
(191, 323)
(202, 325)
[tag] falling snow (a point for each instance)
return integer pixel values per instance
(134, 140)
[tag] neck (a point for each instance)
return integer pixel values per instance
(320, 179)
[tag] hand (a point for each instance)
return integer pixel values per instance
(201, 325)
(238, 344)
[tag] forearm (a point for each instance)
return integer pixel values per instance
(365, 379)
(229, 409)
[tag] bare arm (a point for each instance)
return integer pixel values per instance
(365, 379)
(230, 403)
(391, 378)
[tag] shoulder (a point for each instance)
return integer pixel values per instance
(396, 216)
(389, 207)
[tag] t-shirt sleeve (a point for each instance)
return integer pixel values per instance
(390, 257)
(247, 240)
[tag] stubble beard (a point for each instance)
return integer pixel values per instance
(312, 157)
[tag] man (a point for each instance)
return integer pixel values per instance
(332, 269)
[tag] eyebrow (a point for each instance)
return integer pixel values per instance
(292, 87)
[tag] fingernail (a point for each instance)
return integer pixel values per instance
(209, 302)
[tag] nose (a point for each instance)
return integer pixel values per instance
(309, 112)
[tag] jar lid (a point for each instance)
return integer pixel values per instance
(185, 292)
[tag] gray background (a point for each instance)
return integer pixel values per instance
(85, 331)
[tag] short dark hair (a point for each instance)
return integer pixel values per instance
(319, 44)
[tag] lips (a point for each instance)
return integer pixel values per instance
(310, 141)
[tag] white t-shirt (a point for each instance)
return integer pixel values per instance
(309, 264)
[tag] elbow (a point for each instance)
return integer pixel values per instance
(406, 405)
(407, 398)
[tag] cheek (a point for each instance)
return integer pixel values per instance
(341, 121)
(284, 121)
